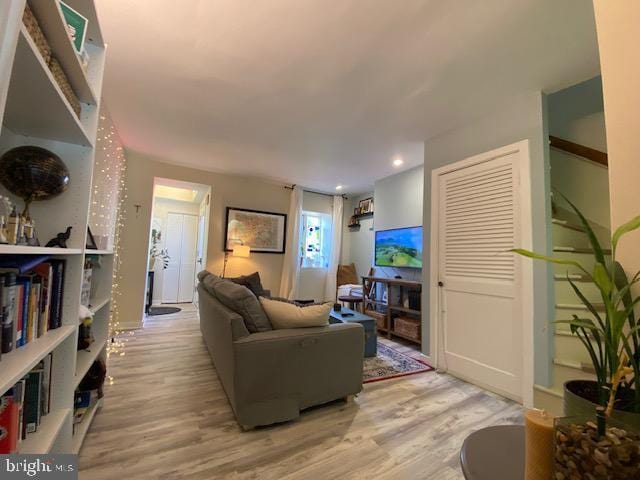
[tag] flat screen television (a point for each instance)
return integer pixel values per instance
(400, 247)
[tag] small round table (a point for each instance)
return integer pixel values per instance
(494, 453)
(352, 301)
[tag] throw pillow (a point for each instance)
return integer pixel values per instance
(288, 315)
(252, 282)
(347, 275)
(241, 300)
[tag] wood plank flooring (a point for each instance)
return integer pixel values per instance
(166, 417)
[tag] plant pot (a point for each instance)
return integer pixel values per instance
(577, 403)
(152, 263)
(581, 453)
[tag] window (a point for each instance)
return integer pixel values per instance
(315, 240)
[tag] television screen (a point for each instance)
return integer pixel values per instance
(401, 247)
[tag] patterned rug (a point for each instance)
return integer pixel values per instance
(390, 363)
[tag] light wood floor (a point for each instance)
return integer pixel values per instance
(167, 417)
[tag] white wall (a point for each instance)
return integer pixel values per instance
(226, 191)
(519, 118)
(161, 208)
(618, 38)
(357, 245)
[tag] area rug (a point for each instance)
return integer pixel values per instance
(390, 363)
(163, 310)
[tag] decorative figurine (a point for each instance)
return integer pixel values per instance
(3, 226)
(12, 227)
(60, 240)
(20, 238)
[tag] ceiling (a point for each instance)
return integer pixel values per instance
(327, 92)
(179, 191)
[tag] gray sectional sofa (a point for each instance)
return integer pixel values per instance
(271, 375)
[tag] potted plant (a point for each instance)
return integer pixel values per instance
(611, 337)
(156, 251)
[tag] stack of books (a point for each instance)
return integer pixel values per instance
(31, 291)
(23, 406)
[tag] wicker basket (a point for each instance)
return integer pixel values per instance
(64, 85)
(380, 317)
(32, 26)
(407, 327)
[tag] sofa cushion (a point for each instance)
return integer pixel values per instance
(241, 300)
(288, 315)
(252, 282)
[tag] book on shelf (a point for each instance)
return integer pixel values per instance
(32, 289)
(23, 406)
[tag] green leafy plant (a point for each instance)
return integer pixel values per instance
(612, 336)
(156, 250)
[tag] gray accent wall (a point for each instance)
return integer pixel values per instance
(516, 119)
(398, 204)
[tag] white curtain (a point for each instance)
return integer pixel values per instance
(291, 263)
(336, 247)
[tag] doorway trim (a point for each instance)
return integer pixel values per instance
(435, 318)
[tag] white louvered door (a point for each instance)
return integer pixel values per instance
(481, 311)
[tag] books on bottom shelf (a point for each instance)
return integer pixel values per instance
(23, 406)
(31, 292)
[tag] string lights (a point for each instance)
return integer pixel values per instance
(107, 217)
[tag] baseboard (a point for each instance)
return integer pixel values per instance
(129, 326)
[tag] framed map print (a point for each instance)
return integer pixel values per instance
(264, 232)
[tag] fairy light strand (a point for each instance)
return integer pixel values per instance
(107, 217)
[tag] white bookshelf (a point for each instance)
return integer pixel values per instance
(34, 111)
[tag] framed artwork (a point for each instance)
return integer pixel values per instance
(264, 232)
(366, 205)
(76, 26)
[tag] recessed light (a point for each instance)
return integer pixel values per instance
(397, 162)
(339, 187)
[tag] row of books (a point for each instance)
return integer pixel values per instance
(31, 291)
(23, 406)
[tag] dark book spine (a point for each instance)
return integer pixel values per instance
(8, 281)
(33, 390)
(57, 292)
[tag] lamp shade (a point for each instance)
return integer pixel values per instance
(241, 251)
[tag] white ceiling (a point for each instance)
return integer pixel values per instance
(327, 92)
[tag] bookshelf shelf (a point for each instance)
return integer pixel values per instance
(42, 441)
(86, 359)
(82, 428)
(98, 305)
(25, 250)
(17, 363)
(52, 23)
(33, 90)
(36, 112)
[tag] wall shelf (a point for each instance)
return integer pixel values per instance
(32, 91)
(81, 429)
(36, 112)
(25, 250)
(51, 21)
(17, 363)
(86, 359)
(42, 441)
(97, 305)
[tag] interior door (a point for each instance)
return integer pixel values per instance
(173, 246)
(188, 257)
(479, 221)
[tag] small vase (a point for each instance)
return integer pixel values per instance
(152, 263)
(580, 453)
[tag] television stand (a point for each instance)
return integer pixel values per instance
(400, 315)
